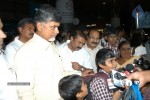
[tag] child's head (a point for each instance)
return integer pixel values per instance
(106, 60)
(111, 34)
(72, 87)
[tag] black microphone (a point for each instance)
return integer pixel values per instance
(129, 68)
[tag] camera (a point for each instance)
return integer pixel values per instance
(117, 79)
(142, 63)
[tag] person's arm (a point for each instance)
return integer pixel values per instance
(116, 95)
(143, 77)
(99, 89)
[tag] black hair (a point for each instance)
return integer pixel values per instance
(102, 55)
(110, 30)
(47, 13)
(136, 39)
(93, 29)
(123, 43)
(76, 33)
(69, 86)
(25, 21)
(119, 29)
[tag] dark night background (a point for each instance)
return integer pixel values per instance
(87, 11)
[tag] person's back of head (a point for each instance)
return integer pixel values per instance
(102, 55)
(46, 13)
(109, 30)
(136, 38)
(120, 31)
(69, 86)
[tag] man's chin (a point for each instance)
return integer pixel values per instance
(52, 39)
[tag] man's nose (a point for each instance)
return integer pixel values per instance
(2, 34)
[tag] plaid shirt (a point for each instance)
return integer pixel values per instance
(113, 48)
(99, 90)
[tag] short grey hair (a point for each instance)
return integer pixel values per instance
(47, 13)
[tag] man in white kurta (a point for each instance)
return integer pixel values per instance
(76, 59)
(93, 53)
(26, 29)
(7, 74)
(92, 45)
(38, 62)
(81, 56)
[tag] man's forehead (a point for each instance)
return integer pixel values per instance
(112, 35)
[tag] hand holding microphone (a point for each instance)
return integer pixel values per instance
(143, 77)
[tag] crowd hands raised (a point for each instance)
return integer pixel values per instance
(78, 54)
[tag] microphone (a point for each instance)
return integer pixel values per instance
(129, 68)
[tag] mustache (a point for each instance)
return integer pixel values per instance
(79, 47)
(94, 43)
(31, 33)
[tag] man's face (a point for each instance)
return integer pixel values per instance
(93, 39)
(77, 43)
(112, 39)
(27, 31)
(2, 34)
(48, 30)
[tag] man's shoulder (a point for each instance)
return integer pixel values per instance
(84, 51)
(2, 60)
(11, 44)
(62, 46)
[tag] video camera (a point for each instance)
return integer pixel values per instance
(142, 63)
(117, 79)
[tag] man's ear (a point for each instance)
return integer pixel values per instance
(78, 95)
(102, 66)
(39, 26)
(106, 37)
(71, 38)
(19, 29)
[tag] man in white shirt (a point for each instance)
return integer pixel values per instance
(38, 61)
(75, 58)
(26, 30)
(92, 45)
(7, 74)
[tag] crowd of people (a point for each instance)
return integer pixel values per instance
(33, 67)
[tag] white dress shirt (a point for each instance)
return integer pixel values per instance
(93, 53)
(11, 50)
(81, 56)
(7, 75)
(39, 63)
(140, 50)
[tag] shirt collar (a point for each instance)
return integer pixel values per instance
(18, 41)
(1, 51)
(42, 42)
